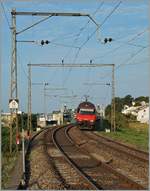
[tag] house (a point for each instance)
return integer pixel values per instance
(141, 112)
(143, 115)
(41, 120)
(5, 118)
(130, 110)
(58, 116)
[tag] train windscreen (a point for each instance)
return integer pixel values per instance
(86, 111)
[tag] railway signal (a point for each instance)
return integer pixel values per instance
(18, 139)
(44, 42)
(107, 40)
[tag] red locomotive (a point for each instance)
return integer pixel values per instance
(86, 115)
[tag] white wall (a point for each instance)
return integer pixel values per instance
(143, 115)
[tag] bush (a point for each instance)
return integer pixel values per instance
(121, 121)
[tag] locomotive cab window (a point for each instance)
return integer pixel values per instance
(87, 111)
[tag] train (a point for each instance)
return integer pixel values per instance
(86, 115)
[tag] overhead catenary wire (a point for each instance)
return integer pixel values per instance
(5, 15)
(91, 35)
(131, 57)
(127, 62)
(129, 43)
(101, 24)
(83, 28)
(125, 43)
(77, 36)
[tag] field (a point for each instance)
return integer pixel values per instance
(136, 134)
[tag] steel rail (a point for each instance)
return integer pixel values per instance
(56, 171)
(123, 145)
(71, 162)
(108, 167)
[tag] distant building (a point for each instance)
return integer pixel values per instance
(130, 110)
(41, 120)
(101, 111)
(5, 118)
(141, 112)
(143, 115)
(58, 116)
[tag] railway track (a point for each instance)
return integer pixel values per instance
(48, 169)
(120, 147)
(56, 160)
(102, 175)
(61, 135)
(65, 172)
(134, 169)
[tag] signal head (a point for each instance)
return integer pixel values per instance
(47, 42)
(42, 42)
(105, 40)
(110, 39)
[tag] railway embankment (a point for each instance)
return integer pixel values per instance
(135, 135)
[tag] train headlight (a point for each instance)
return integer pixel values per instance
(91, 121)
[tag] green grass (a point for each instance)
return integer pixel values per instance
(7, 166)
(136, 134)
(8, 161)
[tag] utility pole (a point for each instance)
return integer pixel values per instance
(113, 118)
(13, 85)
(45, 84)
(29, 121)
(23, 149)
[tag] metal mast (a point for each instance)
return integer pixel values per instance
(29, 101)
(14, 91)
(13, 85)
(113, 120)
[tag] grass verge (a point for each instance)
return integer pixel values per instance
(8, 163)
(136, 134)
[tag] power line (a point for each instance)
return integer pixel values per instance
(118, 48)
(5, 15)
(65, 45)
(86, 24)
(100, 25)
(131, 44)
(83, 28)
(131, 57)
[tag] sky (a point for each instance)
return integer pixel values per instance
(126, 22)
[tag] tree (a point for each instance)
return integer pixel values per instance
(138, 100)
(119, 103)
(108, 110)
(127, 100)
